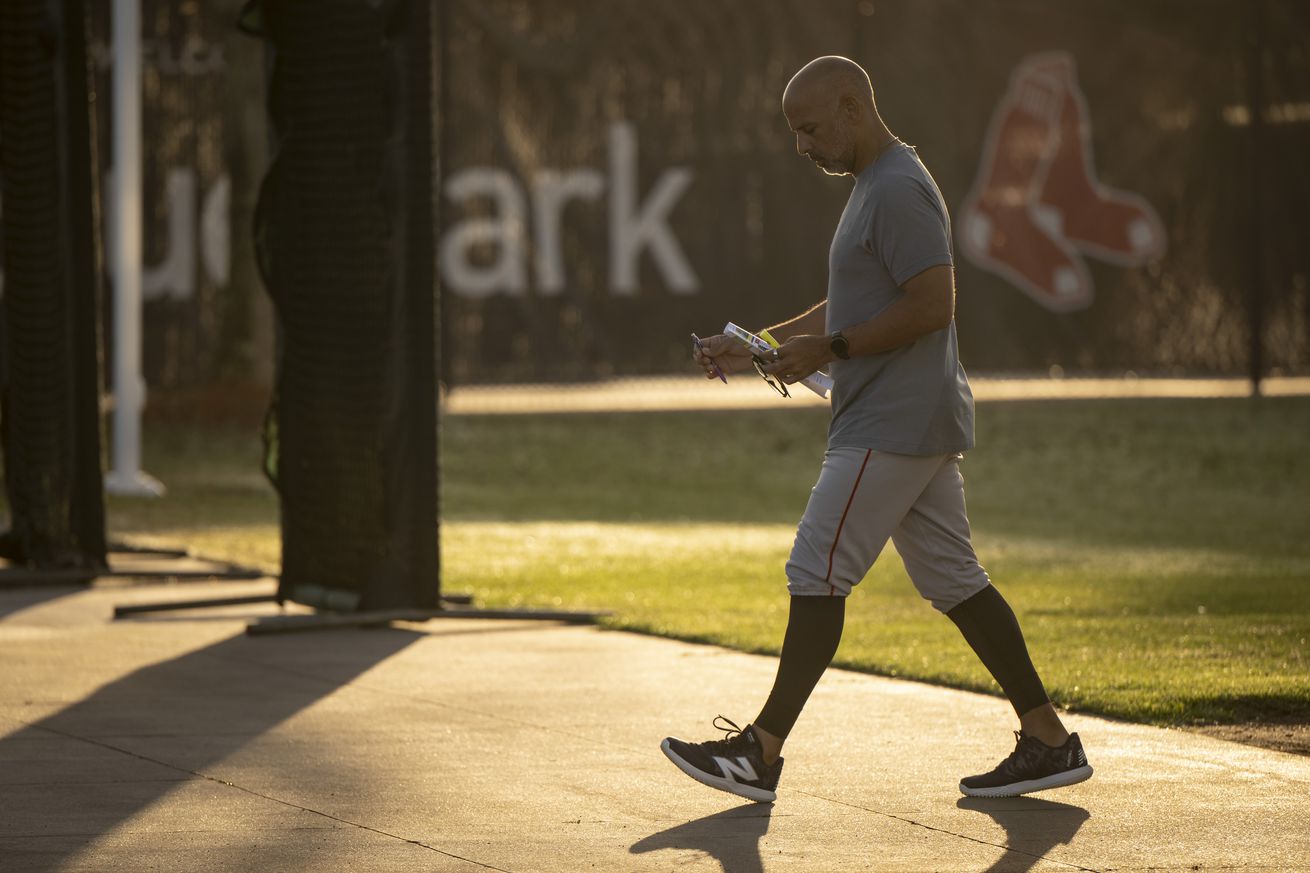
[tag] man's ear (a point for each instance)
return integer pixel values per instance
(850, 107)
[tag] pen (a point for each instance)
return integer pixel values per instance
(695, 341)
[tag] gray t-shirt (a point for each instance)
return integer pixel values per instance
(914, 400)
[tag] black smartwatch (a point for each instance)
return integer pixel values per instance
(839, 345)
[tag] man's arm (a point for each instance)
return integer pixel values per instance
(926, 304)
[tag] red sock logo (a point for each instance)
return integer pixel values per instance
(1036, 205)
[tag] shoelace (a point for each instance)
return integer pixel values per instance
(1025, 755)
(729, 731)
(732, 734)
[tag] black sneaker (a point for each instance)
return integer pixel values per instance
(734, 764)
(1032, 766)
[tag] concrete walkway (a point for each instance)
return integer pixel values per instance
(179, 744)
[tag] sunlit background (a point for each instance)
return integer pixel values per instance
(614, 181)
(349, 212)
(321, 313)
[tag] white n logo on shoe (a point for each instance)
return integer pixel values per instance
(740, 769)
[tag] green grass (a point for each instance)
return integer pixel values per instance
(1157, 552)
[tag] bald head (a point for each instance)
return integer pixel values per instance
(829, 105)
(830, 78)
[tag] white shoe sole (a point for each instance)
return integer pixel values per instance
(759, 795)
(1058, 780)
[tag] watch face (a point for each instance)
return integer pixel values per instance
(840, 347)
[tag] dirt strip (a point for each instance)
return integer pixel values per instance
(689, 393)
(1293, 738)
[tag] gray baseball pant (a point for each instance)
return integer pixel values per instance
(865, 497)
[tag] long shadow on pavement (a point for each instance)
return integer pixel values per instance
(14, 600)
(731, 837)
(1033, 827)
(90, 768)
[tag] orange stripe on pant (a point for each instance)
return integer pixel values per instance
(841, 524)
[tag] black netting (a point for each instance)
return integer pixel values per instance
(553, 103)
(51, 353)
(552, 96)
(344, 237)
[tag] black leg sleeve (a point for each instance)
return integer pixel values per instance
(989, 626)
(814, 628)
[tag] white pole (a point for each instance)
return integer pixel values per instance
(126, 477)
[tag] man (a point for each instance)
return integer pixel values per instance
(902, 414)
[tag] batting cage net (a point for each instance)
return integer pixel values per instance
(49, 391)
(344, 237)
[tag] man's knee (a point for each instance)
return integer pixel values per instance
(805, 582)
(947, 591)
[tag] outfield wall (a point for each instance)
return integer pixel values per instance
(615, 180)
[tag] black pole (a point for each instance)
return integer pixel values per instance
(446, 348)
(420, 486)
(85, 269)
(1256, 103)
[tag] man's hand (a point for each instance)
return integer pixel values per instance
(799, 356)
(728, 353)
